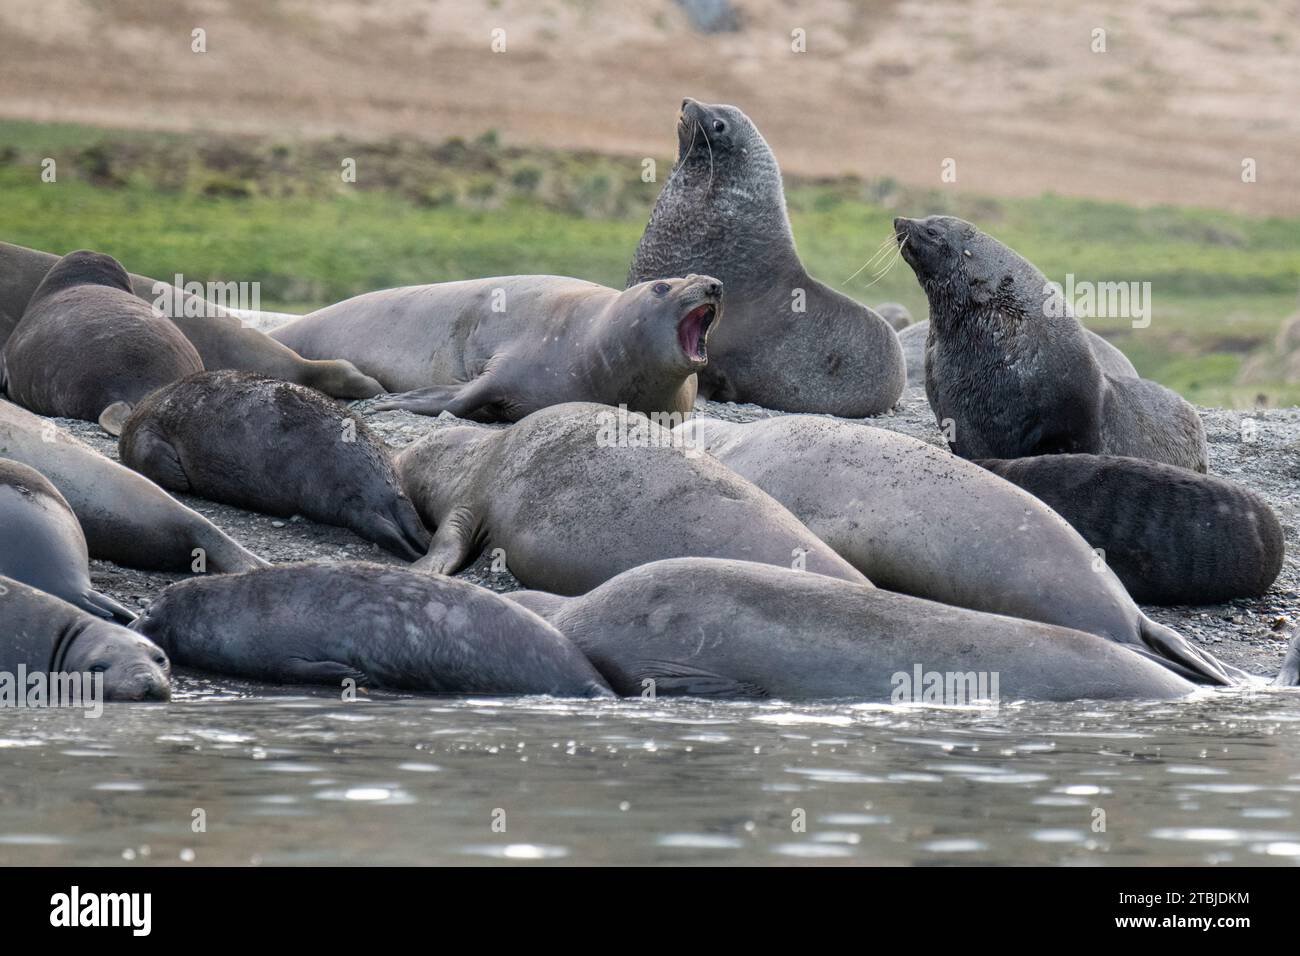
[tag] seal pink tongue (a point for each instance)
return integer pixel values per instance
(690, 331)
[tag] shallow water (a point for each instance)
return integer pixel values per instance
(298, 779)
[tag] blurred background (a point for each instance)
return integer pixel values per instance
(1115, 164)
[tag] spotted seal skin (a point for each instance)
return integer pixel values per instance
(1171, 536)
(1019, 378)
(499, 349)
(722, 212)
(47, 635)
(381, 627)
(715, 628)
(41, 543)
(273, 447)
(576, 493)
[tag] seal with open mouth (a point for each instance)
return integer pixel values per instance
(498, 349)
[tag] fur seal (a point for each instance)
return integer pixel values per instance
(789, 342)
(1171, 536)
(916, 519)
(273, 447)
(41, 543)
(1012, 368)
(379, 626)
(576, 493)
(46, 635)
(713, 628)
(499, 349)
(896, 314)
(88, 348)
(222, 340)
(126, 518)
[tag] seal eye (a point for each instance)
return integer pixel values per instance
(719, 126)
(660, 288)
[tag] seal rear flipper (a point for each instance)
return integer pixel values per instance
(333, 673)
(114, 417)
(1171, 646)
(1289, 675)
(452, 544)
(101, 605)
(459, 400)
(676, 679)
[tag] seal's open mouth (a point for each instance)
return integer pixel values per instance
(693, 330)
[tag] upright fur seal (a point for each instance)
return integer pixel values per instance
(712, 628)
(789, 341)
(88, 348)
(273, 447)
(48, 636)
(126, 518)
(379, 626)
(576, 493)
(222, 340)
(41, 543)
(1012, 368)
(1171, 536)
(917, 519)
(499, 349)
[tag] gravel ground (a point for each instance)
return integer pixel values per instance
(1260, 449)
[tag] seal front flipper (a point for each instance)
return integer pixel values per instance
(300, 671)
(155, 457)
(453, 544)
(458, 400)
(676, 679)
(104, 606)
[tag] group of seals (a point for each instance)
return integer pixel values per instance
(499, 349)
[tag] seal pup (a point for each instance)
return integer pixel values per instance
(87, 348)
(42, 545)
(499, 349)
(714, 628)
(126, 518)
(916, 519)
(273, 447)
(576, 493)
(1012, 369)
(46, 635)
(381, 627)
(224, 339)
(789, 342)
(1172, 537)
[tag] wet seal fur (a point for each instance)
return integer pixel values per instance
(723, 212)
(499, 349)
(223, 339)
(714, 628)
(1171, 536)
(46, 635)
(87, 348)
(381, 627)
(571, 504)
(42, 545)
(126, 518)
(1018, 378)
(273, 447)
(916, 519)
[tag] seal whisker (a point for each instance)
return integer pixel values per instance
(885, 270)
(882, 249)
(709, 185)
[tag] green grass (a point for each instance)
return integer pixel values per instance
(241, 209)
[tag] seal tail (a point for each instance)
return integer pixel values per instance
(1170, 646)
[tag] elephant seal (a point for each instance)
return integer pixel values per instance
(576, 493)
(126, 518)
(42, 545)
(1172, 537)
(45, 635)
(499, 349)
(1011, 367)
(916, 519)
(789, 342)
(896, 314)
(88, 348)
(222, 340)
(381, 627)
(272, 447)
(713, 628)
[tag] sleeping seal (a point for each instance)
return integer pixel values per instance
(272, 447)
(41, 543)
(1171, 536)
(45, 635)
(789, 341)
(916, 519)
(381, 627)
(498, 349)
(712, 628)
(88, 348)
(1011, 367)
(126, 518)
(576, 493)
